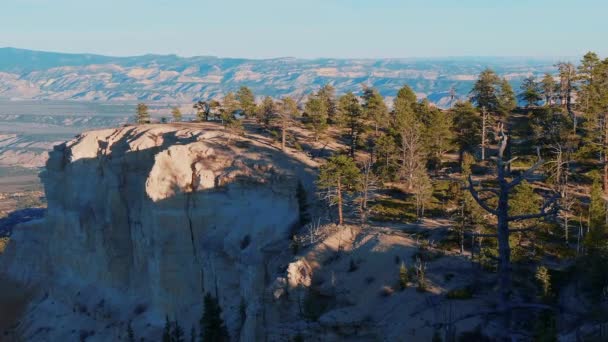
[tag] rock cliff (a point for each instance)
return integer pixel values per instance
(143, 220)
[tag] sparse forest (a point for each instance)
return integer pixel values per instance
(524, 187)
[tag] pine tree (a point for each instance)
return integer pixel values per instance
(266, 111)
(548, 88)
(485, 91)
(351, 113)
(193, 334)
(530, 91)
(467, 124)
(177, 333)
(374, 108)
(409, 132)
(142, 114)
(327, 94)
(506, 98)
(287, 111)
(177, 114)
(167, 330)
(316, 113)
(337, 177)
(229, 106)
(246, 101)
(212, 327)
(597, 218)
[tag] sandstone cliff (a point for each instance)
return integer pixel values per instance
(142, 221)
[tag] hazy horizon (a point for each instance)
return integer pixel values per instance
(383, 29)
(506, 57)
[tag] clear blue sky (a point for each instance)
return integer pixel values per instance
(309, 28)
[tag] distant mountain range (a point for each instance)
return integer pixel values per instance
(26, 74)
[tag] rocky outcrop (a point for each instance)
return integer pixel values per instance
(143, 220)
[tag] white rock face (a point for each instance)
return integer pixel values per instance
(143, 220)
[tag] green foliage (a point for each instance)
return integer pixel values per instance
(485, 91)
(142, 114)
(246, 101)
(467, 126)
(229, 106)
(386, 165)
(327, 94)
(462, 293)
(340, 173)
(524, 200)
(266, 111)
(530, 91)
(548, 88)
(315, 111)
(351, 116)
(374, 108)
(177, 114)
(404, 277)
(212, 327)
(543, 278)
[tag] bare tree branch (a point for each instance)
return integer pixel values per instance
(543, 211)
(479, 201)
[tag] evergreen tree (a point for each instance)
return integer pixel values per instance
(409, 132)
(548, 87)
(485, 91)
(229, 106)
(338, 176)
(506, 98)
(177, 114)
(386, 165)
(266, 111)
(316, 113)
(246, 101)
(327, 94)
(437, 133)
(287, 111)
(374, 108)
(167, 330)
(351, 114)
(530, 91)
(212, 327)
(587, 71)
(142, 114)
(597, 218)
(467, 124)
(177, 333)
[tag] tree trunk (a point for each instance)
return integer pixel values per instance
(504, 250)
(339, 190)
(283, 134)
(483, 134)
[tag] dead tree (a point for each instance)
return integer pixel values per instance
(501, 212)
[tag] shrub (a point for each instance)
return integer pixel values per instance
(460, 293)
(3, 243)
(404, 277)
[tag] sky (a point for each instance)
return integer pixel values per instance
(308, 28)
